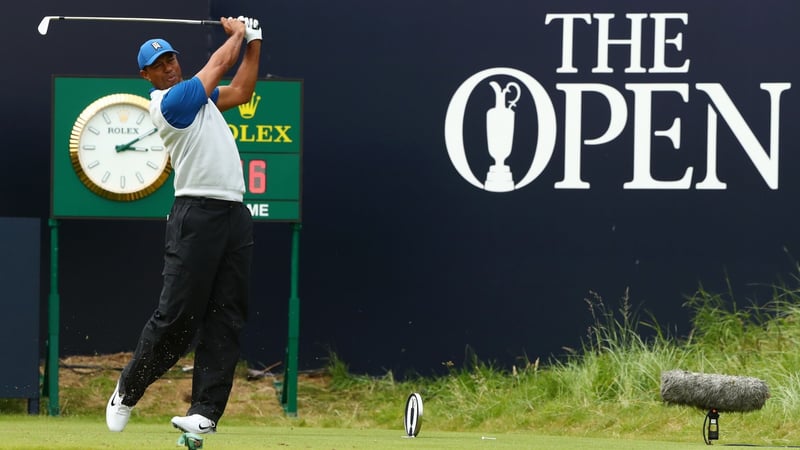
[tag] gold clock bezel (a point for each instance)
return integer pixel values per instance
(74, 142)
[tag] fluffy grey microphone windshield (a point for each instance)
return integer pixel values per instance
(707, 391)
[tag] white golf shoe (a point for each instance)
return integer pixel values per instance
(117, 414)
(194, 424)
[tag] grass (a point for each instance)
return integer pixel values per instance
(24, 433)
(607, 391)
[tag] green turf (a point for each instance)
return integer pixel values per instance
(81, 433)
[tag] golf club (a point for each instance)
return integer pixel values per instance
(45, 23)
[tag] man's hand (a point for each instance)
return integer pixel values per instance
(252, 29)
(232, 26)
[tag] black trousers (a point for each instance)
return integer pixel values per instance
(207, 259)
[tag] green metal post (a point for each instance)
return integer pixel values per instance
(289, 392)
(53, 315)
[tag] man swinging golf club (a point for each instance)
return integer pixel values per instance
(209, 232)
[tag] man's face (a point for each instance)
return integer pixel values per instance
(165, 71)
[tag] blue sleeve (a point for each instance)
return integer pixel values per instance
(181, 104)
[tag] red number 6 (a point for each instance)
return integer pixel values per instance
(258, 176)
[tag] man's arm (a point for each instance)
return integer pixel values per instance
(225, 57)
(241, 88)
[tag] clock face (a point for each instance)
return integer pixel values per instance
(115, 148)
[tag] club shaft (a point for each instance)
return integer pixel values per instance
(139, 19)
(45, 23)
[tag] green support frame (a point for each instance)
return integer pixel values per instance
(289, 385)
(50, 385)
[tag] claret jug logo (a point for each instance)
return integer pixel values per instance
(511, 86)
(500, 123)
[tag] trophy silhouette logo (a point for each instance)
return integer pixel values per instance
(500, 136)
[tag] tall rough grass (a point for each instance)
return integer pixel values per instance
(611, 385)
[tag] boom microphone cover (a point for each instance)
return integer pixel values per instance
(713, 391)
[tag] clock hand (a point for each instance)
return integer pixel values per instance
(127, 146)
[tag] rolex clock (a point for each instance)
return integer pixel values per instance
(115, 149)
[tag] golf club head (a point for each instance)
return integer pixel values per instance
(44, 24)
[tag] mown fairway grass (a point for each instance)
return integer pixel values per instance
(68, 433)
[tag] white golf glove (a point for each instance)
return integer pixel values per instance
(252, 28)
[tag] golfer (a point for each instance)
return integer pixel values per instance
(209, 232)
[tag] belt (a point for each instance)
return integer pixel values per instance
(208, 202)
